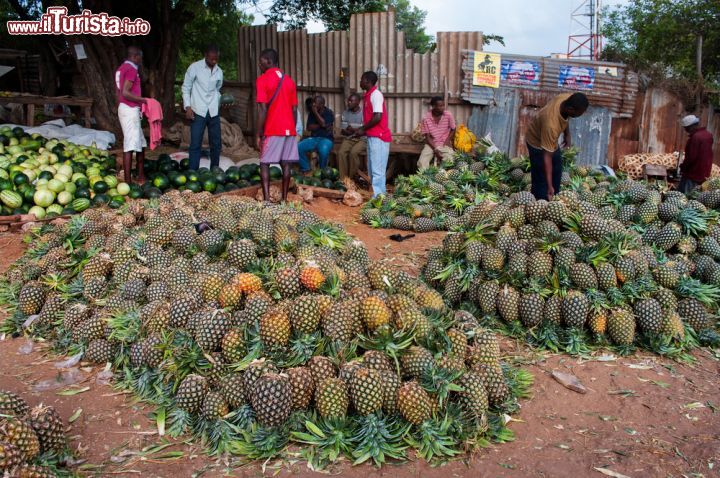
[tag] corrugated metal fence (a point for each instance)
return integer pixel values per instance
(331, 64)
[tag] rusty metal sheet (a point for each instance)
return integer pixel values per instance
(617, 93)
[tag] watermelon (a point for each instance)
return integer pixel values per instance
(5, 184)
(161, 182)
(82, 193)
(136, 191)
(209, 185)
(80, 205)
(194, 186)
(275, 173)
(20, 178)
(185, 164)
(100, 199)
(100, 187)
(11, 199)
(178, 179)
(193, 176)
(152, 193)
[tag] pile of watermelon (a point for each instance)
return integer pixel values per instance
(49, 177)
(328, 178)
(165, 173)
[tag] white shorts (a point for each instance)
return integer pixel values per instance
(133, 138)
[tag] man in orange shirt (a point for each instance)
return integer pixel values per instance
(542, 141)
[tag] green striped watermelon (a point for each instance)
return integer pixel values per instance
(11, 199)
(80, 204)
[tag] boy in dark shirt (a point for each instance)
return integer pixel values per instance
(320, 124)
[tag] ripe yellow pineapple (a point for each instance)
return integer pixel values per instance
(312, 277)
(374, 312)
(247, 282)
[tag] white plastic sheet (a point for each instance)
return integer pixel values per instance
(73, 133)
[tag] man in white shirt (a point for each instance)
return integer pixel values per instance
(201, 100)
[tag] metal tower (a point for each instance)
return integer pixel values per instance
(585, 40)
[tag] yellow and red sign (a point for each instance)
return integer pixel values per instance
(486, 69)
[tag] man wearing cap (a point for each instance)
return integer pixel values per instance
(696, 166)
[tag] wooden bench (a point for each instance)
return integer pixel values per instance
(30, 101)
(403, 156)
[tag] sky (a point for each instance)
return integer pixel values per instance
(530, 27)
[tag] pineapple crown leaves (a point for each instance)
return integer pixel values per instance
(434, 439)
(482, 232)
(439, 382)
(551, 242)
(125, 326)
(572, 222)
(391, 342)
(328, 235)
(598, 300)
(708, 294)
(329, 439)
(379, 437)
(693, 222)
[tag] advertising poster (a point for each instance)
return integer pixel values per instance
(486, 69)
(576, 77)
(520, 72)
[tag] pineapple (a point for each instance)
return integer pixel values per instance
(487, 297)
(374, 313)
(331, 398)
(191, 393)
(493, 259)
(13, 404)
(597, 322)
(458, 342)
(233, 346)
(381, 276)
(339, 322)
(668, 236)
(666, 298)
(376, 360)
(508, 303)
(621, 327)
(100, 265)
(214, 406)
(391, 384)
(241, 253)
(531, 309)
(321, 368)
(539, 264)
(303, 387)
(473, 397)
(695, 314)
(275, 328)
(287, 282)
(429, 298)
(151, 351)
(210, 286)
(10, 456)
(232, 389)
(19, 433)
(304, 314)
(366, 388)
(182, 308)
(100, 351)
(312, 277)
(416, 361)
(575, 308)
(606, 276)
(255, 370)
(247, 283)
(649, 315)
(485, 349)
(492, 378)
(211, 330)
(672, 325)
(583, 276)
(230, 296)
(414, 403)
(625, 269)
(31, 299)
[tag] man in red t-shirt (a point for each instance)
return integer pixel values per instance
(697, 165)
(276, 98)
(127, 84)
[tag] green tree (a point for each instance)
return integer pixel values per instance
(660, 39)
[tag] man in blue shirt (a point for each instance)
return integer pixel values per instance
(201, 100)
(320, 124)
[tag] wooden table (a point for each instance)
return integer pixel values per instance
(31, 100)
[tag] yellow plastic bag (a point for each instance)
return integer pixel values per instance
(464, 139)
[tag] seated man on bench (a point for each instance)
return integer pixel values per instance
(320, 124)
(352, 147)
(438, 126)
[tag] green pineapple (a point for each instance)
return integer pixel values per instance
(621, 327)
(648, 313)
(583, 276)
(575, 309)
(13, 404)
(211, 330)
(416, 361)
(606, 276)
(303, 387)
(487, 297)
(191, 393)
(695, 314)
(474, 396)
(366, 389)
(232, 389)
(540, 264)
(214, 406)
(492, 378)
(508, 304)
(331, 398)
(100, 351)
(414, 403)
(531, 309)
(32, 298)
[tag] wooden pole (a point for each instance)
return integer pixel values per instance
(698, 65)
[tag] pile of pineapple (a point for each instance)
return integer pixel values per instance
(605, 261)
(254, 326)
(435, 199)
(32, 441)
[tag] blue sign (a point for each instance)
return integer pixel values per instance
(576, 77)
(520, 72)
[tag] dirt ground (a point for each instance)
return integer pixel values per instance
(642, 416)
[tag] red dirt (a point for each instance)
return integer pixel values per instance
(643, 416)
